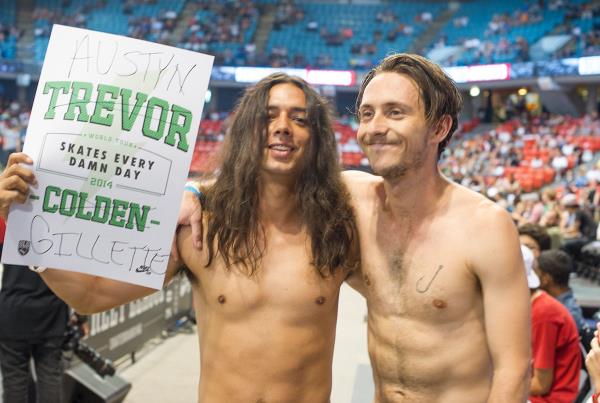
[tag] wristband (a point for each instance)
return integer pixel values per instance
(193, 188)
(38, 269)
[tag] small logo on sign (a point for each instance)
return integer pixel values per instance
(24, 247)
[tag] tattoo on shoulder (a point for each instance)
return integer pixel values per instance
(419, 286)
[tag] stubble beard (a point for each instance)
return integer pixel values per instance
(400, 169)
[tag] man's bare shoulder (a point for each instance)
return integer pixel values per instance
(361, 184)
(489, 230)
(481, 211)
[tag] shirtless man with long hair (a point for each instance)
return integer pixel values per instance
(441, 267)
(279, 233)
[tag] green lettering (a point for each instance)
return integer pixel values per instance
(181, 129)
(68, 207)
(164, 107)
(79, 103)
(81, 207)
(46, 205)
(127, 119)
(54, 86)
(101, 210)
(118, 212)
(137, 215)
(103, 104)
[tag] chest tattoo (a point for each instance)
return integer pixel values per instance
(420, 287)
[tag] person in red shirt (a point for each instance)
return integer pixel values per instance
(555, 344)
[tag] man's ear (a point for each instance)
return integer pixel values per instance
(545, 278)
(441, 129)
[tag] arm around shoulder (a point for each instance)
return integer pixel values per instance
(88, 294)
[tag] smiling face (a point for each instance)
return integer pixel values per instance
(393, 131)
(288, 133)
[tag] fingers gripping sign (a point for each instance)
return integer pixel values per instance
(190, 213)
(15, 182)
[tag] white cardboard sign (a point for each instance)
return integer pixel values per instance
(111, 134)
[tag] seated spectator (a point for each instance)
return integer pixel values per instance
(577, 226)
(425, 17)
(391, 35)
(554, 342)
(554, 268)
(551, 216)
(535, 237)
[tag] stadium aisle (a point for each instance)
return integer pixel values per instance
(167, 373)
(352, 381)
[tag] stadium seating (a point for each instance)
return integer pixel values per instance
(496, 29)
(8, 39)
(361, 20)
(213, 31)
(107, 16)
(357, 38)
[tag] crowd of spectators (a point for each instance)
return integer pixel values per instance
(288, 13)
(547, 142)
(202, 36)
(495, 46)
(9, 35)
(577, 17)
(217, 23)
(489, 51)
(222, 32)
(44, 18)
(153, 28)
(502, 23)
(14, 118)
(156, 28)
(574, 15)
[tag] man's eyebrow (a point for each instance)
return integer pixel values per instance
(399, 105)
(387, 105)
(294, 109)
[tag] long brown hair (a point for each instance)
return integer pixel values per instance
(438, 91)
(232, 202)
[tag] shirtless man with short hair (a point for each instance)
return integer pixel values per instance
(280, 231)
(441, 270)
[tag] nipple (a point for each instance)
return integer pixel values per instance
(438, 303)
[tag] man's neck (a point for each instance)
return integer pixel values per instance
(556, 290)
(415, 194)
(277, 202)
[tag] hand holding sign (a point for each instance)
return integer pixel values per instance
(15, 181)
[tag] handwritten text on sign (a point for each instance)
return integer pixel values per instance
(111, 134)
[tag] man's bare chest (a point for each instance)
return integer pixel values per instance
(420, 275)
(284, 283)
